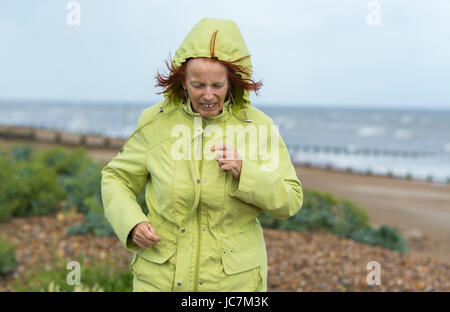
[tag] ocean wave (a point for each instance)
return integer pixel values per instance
(402, 134)
(370, 131)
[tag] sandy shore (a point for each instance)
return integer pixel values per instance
(420, 210)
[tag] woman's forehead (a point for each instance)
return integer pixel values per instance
(203, 67)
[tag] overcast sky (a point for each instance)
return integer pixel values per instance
(307, 53)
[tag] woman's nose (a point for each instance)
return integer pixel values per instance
(209, 95)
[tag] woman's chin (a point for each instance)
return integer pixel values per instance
(209, 113)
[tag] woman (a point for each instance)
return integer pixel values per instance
(210, 164)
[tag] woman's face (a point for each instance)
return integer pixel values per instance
(207, 85)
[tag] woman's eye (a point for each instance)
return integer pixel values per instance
(200, 86)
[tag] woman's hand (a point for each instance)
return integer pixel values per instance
(228, 159)
(144, 235)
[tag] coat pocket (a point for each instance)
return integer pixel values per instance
(154, 267)
(158, 253)
(133, 260)
(237, 261)
(242, 270)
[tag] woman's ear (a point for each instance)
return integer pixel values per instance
(230, 87)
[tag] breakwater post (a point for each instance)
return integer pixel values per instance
(59, 137)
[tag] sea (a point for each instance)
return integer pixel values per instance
(394, 142)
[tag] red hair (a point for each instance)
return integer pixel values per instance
(172, 82)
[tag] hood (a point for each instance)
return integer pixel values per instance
(229, 46)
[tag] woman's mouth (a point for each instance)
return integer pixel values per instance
(208, 106)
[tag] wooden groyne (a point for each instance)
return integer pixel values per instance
(59, 137)
(339, 150)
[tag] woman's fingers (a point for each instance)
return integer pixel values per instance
(235, 166)
(150, 227)
(144, 235)
(228, 154)
(141, 243)
(147, 235)
(152, 233)
(226, 166)
(224, 162)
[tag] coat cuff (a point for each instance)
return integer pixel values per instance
(130, 245)
(244, 187)
(123, 220)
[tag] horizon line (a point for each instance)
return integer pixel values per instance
(255, 104)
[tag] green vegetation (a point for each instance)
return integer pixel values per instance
(42, 182)
(94, 276)
(7, 258)
(63, 162)
(28, 188)
(22, 152)
(341, 217)
(95, 223)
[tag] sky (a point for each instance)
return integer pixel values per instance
(357, 53)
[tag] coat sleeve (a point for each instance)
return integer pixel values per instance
(123, 179)
(276, 190)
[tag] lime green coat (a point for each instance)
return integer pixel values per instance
(211, 239)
